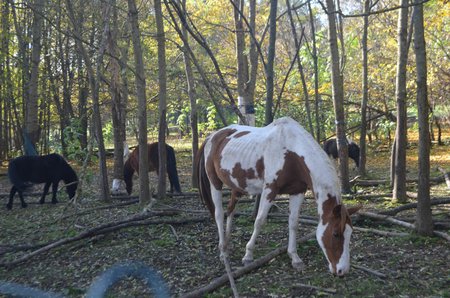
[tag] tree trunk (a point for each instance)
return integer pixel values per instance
(338, 98)
(424, 222)
(31, 116)
(365, 92)
(399, 183)
(270, 61)
(144, 191)
(162, 80)
(192, 101)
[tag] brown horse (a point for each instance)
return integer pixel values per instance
(132, 165)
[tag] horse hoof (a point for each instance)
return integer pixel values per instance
(24, 205)
(54, 201)
(247, 262)
(8, 206)
(299, 266)
(41, 202)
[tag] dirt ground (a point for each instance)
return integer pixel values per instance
(182, 246)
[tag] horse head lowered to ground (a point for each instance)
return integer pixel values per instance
(330, 147)
(281, 158)
(132, 165)
(26, 170)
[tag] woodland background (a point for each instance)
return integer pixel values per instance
(82, 77)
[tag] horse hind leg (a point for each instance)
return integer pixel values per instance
(264, 206)
(54, 190)
(219, 217)
(295, 203)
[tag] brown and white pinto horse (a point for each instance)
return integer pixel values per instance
(281, 158)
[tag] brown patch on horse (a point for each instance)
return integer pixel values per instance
(336, 216)
(234, 199)
(293, 178)
(218, 142)
(241, 134)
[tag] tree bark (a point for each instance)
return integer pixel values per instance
(424, 221)
(399, 181)
(144, 191)
(338, 97)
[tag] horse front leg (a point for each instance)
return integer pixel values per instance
(264, 206)
(295, 203)
(54, 190)
(44, 194)
(22, 200)
(11, 197)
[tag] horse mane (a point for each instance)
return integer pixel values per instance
(204, 186)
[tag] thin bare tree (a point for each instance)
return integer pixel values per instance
(424, 221)
(399, 156)
(144, 191)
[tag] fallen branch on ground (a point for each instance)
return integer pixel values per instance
(435, 201)
(139, 220)
(400, 223)
(222, 280)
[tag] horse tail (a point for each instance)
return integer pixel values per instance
(128, 172)
(172, 169)
(204, 185)
(15, 176)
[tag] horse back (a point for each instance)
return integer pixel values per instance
(36, 169)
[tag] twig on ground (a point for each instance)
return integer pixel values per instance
(371, 271)
(380, 232)
(326, 290)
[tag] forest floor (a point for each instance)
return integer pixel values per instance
(182, 244)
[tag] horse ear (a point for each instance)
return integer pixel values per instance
(337, 210)
(353, 210)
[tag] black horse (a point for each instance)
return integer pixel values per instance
(25, 171)
(330, 148)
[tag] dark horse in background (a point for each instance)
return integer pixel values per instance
(132, 165)
(330, 148)
(25, 171)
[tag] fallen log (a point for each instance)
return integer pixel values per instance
(222, 280)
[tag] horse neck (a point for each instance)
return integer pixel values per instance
(69, 175)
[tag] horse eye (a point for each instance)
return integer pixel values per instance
(335, 234)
